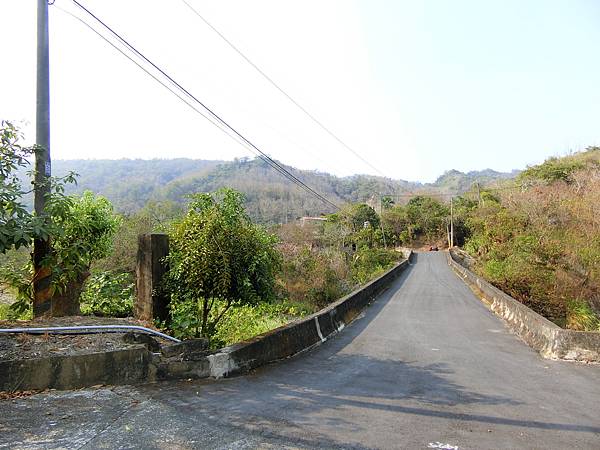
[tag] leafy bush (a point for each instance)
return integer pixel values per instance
(82, 231)
(542, 245)
(108, 294)
(8, 313)
(218, 256)
(87, 230)
(371, 262)
(421, 218)
(238, 323)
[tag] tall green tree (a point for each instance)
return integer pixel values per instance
(359, 214)
(427, 216)
(219, 258)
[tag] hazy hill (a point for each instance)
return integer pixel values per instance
(129, 184)
(455, 181)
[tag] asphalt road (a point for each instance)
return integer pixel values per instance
(427, 366)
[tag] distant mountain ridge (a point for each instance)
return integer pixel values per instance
(456, 181)
(130, 183)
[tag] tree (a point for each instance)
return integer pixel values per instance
(81, 230)
(18, 226)
(219, 258)
(427, 217)
(396, 224)
(387, 202)
(357, 215)
(87, 231)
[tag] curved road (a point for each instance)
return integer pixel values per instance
(427, 366)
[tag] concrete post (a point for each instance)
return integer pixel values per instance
(151, 303)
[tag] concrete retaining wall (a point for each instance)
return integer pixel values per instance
(546, 337)
(127, 366)
(285, 341)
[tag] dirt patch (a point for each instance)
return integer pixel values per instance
(29, 346)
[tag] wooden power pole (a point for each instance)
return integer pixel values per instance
(41, 248)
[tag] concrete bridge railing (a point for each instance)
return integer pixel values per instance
(189, 359)
(287, 340)
(544, 336)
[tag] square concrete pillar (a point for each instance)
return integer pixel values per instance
(151, 302)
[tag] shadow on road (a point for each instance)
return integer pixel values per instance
(333, 394)
(310, 390)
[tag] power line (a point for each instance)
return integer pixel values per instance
(183, 99)
(282, 91)
(245, 141)
(236, 135)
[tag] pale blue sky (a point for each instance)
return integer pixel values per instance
(416, 87)
(495, 84)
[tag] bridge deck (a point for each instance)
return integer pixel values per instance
(427, 364)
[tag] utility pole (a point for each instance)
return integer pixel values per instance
(382, 233)
(478, 194)
(451, 222)
(41, 248)
(381, 219)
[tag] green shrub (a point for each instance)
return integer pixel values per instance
(218, 256)
(371, 262)
(581, 317)
(8, 313)
(108, 294)
(238, 322)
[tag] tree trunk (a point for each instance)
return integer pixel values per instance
(66, 303)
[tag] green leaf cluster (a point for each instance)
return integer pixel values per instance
(108, 294)
(85, 230)
(239, 322)
(218, 255)
(421, 219)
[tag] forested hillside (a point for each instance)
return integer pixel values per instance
(129, 183)
(454, 181)
(270, 198)
(540, 240)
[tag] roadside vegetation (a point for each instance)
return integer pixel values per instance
(230, 277)
(540, 240)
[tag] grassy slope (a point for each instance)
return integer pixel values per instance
(541, 244)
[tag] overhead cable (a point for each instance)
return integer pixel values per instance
(282, 91)
(220, 122)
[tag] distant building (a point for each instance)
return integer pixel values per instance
(304, 220)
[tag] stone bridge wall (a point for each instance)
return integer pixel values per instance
(287, 340)
(188, 359)
(546, 337)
